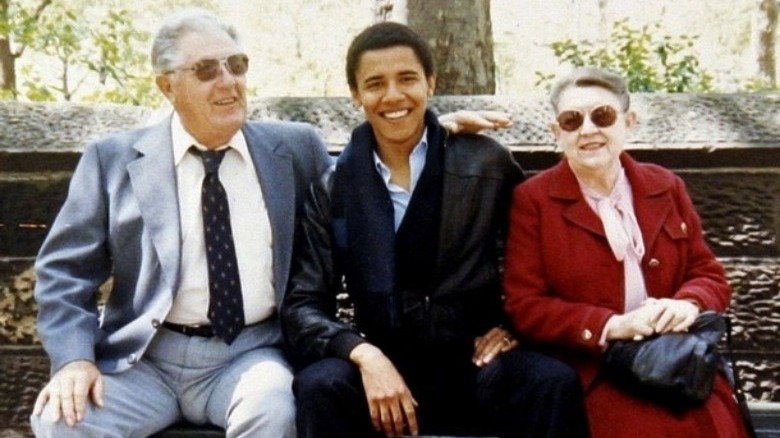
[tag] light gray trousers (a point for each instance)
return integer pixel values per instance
(244, 388)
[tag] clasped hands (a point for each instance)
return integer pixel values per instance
(654, 316)
(391, 405)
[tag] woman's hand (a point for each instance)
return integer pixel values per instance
(636, 324)
(491, 344)
(675, 315)
(653, 316)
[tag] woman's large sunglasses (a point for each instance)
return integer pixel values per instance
(208, 69)
(602, 116)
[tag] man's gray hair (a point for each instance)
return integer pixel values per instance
(165, 51)
(591, 77)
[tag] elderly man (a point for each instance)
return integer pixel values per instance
(194, 219)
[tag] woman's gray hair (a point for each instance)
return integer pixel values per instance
(165, 52)
(591, 77)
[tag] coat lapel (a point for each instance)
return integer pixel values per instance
(566, 188)
(153, 179)
(274, 166)
(651, 200)
(651, 203)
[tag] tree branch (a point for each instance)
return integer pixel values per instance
(35, 17)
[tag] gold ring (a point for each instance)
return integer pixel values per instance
(506, 340)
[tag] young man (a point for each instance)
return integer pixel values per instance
(413, 220)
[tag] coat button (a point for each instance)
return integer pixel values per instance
(587, 335)
(684, 228)
(156, 323)
(654, 263)
(132, 359)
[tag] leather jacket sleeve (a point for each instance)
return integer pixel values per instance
(311, 327)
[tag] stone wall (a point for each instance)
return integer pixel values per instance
(726, 148)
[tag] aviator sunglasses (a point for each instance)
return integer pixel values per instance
(602, 116)
(208, 69)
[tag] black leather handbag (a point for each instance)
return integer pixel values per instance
(675, 369)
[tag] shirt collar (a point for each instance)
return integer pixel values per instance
(416, 161)
(182, 140)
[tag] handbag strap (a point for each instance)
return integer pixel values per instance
(737, 383)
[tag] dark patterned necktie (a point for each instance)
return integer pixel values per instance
(226, 305)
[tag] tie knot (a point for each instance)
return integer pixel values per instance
(211, 159)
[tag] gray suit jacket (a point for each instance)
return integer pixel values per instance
(121, 219)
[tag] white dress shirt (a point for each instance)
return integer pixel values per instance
(248, 219)
(398, 194)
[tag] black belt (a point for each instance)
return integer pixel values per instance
(203, 331)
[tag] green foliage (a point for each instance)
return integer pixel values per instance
(122, 70)
(7, 95)
(649, 63)
(105, 55)
(19, 24)
(33, 87)
(754, 85)
(76, 59)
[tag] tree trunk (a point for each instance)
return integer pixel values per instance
(7, 57)
(461, 35)
(391, 10)
(764, 25)
(8, 64)
(7, 54)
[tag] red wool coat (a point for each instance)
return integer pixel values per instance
(562, 284)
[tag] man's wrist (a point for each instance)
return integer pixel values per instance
(363, 352)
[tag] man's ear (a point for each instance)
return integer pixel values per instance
(164, 84)
(431, 85)
(631, 120)
(355, 98)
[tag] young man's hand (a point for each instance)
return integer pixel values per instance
(390, 402)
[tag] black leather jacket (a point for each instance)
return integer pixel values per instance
(465, 302)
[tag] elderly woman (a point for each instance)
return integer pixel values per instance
(603, 248)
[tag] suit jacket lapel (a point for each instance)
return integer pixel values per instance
(153, 178)
(274, 168)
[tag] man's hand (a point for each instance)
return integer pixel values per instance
(494, 342)
(68, 391)
(471, 122)
(390, 402)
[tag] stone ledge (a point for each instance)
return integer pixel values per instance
(704, 121)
